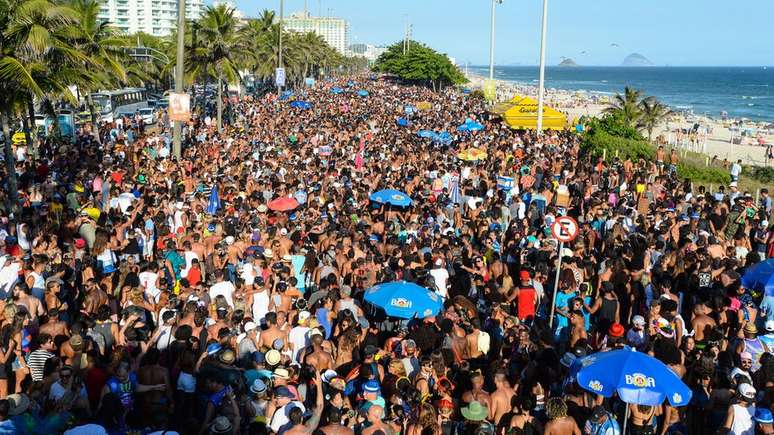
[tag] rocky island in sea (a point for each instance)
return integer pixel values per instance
(636, 59)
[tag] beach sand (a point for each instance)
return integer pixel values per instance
(714, 142)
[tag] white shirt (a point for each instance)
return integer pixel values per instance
(9, 275)
(225, 289)
(58, 391)
(280, 417)
(299, 339)
(441, 276)
(148, 282)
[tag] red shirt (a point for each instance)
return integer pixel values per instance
(194, 276)
(526, 300)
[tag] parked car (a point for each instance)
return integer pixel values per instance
(148, 115)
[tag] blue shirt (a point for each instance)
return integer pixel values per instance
(563, 301)
(609, 427)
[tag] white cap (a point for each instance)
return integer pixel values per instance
(229, 240)
(764, 223)
(283, 232)
(249, 326)
(315, 331)
(303, 316)
(732, 184)
(747, 391)
(638, 320)
(769, 325)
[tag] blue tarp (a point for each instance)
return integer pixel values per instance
(336, 90)
(362, 93)
(403, 122)
(301, 105)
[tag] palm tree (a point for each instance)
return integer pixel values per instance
(220, 46)
(627, 106)
(652, 113)
(34, 58)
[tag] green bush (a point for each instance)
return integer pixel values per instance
(596, 141)
(760, 173)
(705, 174)
(614, 125)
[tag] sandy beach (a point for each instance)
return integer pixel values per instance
(714, 138)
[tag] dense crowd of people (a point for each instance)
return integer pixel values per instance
(145, 294)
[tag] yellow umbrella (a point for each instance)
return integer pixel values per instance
(424, 105)
(521, 113)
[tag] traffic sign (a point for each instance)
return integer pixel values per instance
(565, 229)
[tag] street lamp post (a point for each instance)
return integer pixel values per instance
(178, 128)
(541, 81)
(492, 40)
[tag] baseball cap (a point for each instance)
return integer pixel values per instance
(328, 375)
(303, 316)
(747, 391)
(284, 392)
(249, 326)
(638, 320)
(315, 331)
(524, 275)
(769, 325)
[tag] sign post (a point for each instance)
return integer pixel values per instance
(279, 77)
(564, 229)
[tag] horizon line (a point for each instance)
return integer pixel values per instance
(628, 66)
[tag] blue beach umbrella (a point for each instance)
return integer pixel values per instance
(470, 125)
(403, 122)
(637, 378)
(425, 133)
(336, 90)
(404, 299)
(303, 105)
(285, 95)
(462, 128)
(760, 277)
(214, 203)
(443, 137)
(391, 197)
(362, 93)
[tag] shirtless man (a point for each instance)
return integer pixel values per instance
(272, 333)
(375, 418)
(154, 374)
(471, 339)
(190, 318)
(477, 392)
(296, 414)
(95, 297)
(220, 322)
(334, 426)
(701, 323)
(53, 326)
(318, 357)
(501, 397)
(559, 423)
(22, 294)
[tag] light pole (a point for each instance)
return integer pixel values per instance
(492, 40)
(178, 128)
(541, 81)
(279, 56)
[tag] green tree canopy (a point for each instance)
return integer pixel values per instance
(419, 63)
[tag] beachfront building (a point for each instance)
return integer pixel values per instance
(155, 17)
(368, 51)
(335, 31)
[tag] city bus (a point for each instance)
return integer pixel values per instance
(109, 104)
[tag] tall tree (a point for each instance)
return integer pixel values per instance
(626, 105)
(652, 113)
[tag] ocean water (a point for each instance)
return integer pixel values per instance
(743, 92)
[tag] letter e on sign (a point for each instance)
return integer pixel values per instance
(565, 229)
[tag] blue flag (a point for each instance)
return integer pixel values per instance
(214, 203)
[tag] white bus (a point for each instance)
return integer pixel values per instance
(109, 104)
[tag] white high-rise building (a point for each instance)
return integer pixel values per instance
(155, 17)
(335, 31)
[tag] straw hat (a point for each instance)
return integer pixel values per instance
(220, 425)
(273, 357)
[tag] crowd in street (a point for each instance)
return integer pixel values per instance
(145, 294)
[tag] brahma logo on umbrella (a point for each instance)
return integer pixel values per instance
(677, 398)
(400, 303)
(397, 197)
(640, 380)
(596, 386)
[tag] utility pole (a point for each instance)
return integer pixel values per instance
(178, 128)
(541, 81)
(492, 39)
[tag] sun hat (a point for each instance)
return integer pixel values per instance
(19, 403)
(268, 253)
(475, 411)
(213, 349)
(262, 208)
(258, 387)
(747, 391)
(278, 344)
(249, 326)
(616, 330)
(220, 425)
(763, 416)
(749, 328)
(281, 373)
(273, 357)
(227, 357)
(303, 316)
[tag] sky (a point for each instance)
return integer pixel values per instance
(668, 32)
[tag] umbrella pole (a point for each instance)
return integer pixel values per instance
(626, 419)
(384, 231)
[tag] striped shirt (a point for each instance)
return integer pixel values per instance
(37, 361)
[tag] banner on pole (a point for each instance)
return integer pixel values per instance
(490, 90)
(279, 77)
(179, 107)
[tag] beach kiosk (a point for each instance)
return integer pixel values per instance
(521, 113)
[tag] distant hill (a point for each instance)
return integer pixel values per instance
(636, 59)
(568, 62)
